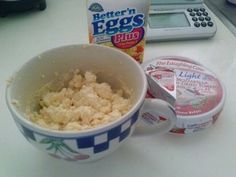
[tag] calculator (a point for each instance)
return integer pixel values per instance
(179, 21)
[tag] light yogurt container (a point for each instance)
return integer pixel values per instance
(196, 93)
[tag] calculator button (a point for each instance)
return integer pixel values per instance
(192, 14)
(197, 24)
(207, 18)
(203, 24)
(202, 9)
(195, 9)
(205, 13)
(201, 18)
(199, 13)
(189, 10)
(210, 24)
(194, 19)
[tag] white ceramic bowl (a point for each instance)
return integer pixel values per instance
(113, 66)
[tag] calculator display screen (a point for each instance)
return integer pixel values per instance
(168, 20)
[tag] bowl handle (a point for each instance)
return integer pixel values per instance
(156, 116)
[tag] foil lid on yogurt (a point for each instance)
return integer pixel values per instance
(195, 92)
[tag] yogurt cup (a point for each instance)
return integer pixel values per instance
(195, 92)
(119, 24)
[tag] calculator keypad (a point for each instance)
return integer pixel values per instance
(195, 19)
(203, 24)
(199, 14)
(210, 23)
(197, 24)
(200, 17)
(208, 18)
(192, 14)
(202, 9)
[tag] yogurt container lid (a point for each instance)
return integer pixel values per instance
(195, 92)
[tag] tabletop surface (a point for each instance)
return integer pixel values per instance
(209, 153)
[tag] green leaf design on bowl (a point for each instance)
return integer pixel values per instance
(59, 148)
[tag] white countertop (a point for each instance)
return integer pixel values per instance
(210, 153)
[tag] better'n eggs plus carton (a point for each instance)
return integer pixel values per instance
(120, 24)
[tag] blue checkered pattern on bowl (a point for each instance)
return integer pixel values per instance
(99, 142)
